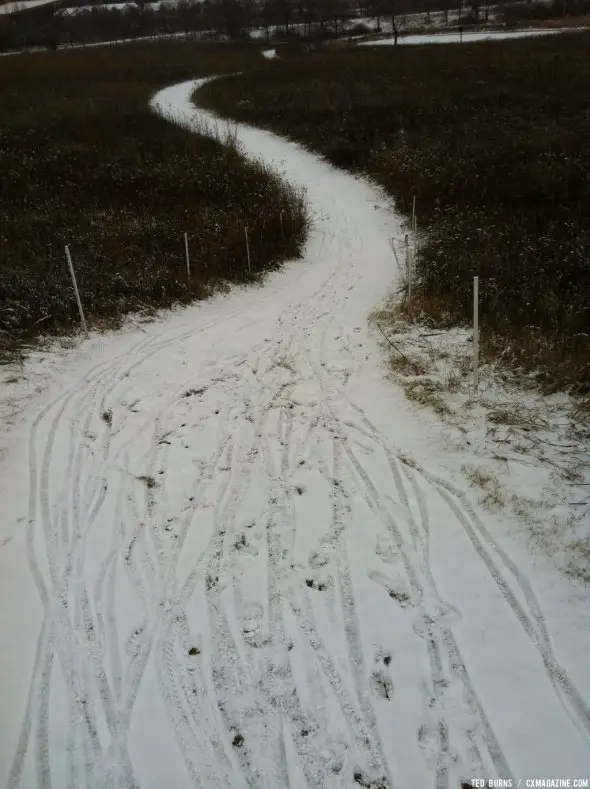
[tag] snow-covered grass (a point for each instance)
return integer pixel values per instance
(24, 5)
(234, 554)
(88, 9)
(121, 7)
(466, 37)
(524, 452)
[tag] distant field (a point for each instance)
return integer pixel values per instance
(492, 139)
(456, 37)
(10, 6)
(85, 163)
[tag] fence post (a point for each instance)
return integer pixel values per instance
(414, 248)
(247, 249)
(188, 259)
(76, 291)
(399, 268)
(475, 332)
(409, 267)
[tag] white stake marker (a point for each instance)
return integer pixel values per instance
(76, 291)
(475, 332)
(188, 259)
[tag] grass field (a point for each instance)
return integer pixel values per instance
(491, 138)
(86, 163)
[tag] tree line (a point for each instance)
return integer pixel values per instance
(87, 21)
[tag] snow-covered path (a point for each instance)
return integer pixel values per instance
(231, 558)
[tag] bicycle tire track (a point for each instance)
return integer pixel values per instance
(196, 535)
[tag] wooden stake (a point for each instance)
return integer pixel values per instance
(475, 332)
(76, 291)
(188, 259)
(247, 249)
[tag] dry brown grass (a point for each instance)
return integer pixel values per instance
(427, 392)
(85, 162)
(494, 495)
(517, 416)
(492, 139)
(579, 564)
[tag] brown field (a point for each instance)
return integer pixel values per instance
(492, 139)
(86, 163)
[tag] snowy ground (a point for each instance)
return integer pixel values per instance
(522, 451)
(451, 38)
(23, 5)
(232, 554)
(121, 7)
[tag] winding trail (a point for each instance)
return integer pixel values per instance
(241, 565)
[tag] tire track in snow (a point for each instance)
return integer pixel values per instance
(433, 629)
(439, 678)
(368, 749)
(534, 628)
(242, 681)
(278, 556)
(301, 603)
(437, 675)
(374, 744)
(533, 623)
(306, 731)
(43, 769)
(48, 451)
(39, 492)
(280, 534)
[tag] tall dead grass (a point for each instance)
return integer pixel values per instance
(86, 163)
(491, 138)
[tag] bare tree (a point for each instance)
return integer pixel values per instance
(377, 10)
(397, 25)
(282, 13)
(266, 17)
(332, 15)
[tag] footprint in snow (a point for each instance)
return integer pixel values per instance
(448, 614)
(424, 625)
(318, 584)
(367, 782)
(433, 739)
(444, 615)
(252, 624)
(133, 642)
(319, 558)
(241, 545)
(384, 657)
(386, 550)
(382, 685)
(396, 591)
